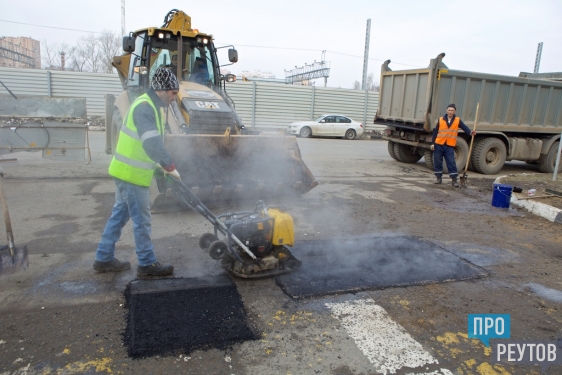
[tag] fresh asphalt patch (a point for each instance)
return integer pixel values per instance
(331, 267)
(177, 316)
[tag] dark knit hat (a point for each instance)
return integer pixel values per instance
(452, 106)
(164, 79)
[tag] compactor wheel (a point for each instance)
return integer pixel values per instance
(218, 249)
(305, 132)
(206, 240)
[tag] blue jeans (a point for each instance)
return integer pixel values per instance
(449, 153)
(131, 202)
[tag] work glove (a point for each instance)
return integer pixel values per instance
(432, 148)
(170, 171)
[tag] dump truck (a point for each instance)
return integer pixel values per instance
(217, 156)
(520, 118)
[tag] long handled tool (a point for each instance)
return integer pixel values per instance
(464, 177)
(12, 259)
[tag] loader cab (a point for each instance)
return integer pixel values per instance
(196, 59)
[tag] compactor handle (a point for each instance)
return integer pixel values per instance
(185, 192)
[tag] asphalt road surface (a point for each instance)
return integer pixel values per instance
(59, 317)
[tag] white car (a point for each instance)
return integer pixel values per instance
(327, 126)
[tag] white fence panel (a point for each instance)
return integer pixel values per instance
(92, 86)
(259, 104)
(53, 83)
(273, 105)
(32, 82)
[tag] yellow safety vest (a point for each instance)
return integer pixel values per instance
(446, 134)
(130, 162)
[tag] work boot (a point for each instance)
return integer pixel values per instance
(438, 180)
(155, 269)
(455, 183)
(111, 266)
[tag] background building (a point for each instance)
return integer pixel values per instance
(20, 52)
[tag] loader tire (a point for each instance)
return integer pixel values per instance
(406, 153)
(391, 150)
(116, 122)
(548, 164)
(488, 156)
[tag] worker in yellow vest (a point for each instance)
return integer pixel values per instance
(139, 151)
(443, 144)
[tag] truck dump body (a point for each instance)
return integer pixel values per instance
(417, 98)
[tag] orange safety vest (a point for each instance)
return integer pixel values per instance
(446, 134)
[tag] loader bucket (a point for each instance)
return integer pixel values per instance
(234, 167)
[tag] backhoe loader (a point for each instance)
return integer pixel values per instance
(217, 156)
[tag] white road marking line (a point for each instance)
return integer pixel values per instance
(443, 371)
(384, 342)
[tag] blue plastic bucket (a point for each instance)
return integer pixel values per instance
(501, 195)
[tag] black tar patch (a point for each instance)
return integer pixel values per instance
(330, 267)
(177, 316)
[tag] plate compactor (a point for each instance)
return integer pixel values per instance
(254, 243)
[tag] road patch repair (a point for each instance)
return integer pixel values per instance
(177, 316)
(343, 266)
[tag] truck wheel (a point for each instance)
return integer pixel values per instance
(406, 153)
(461, 154)
(489, 155)
(549, 162)
(428, 156)
(391, 150)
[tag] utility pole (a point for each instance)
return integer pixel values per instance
(122, 18)
(538, 58)
(366, 57)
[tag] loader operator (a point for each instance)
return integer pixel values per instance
(139, 151)
(443, 144)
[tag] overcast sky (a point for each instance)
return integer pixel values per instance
(499, 37)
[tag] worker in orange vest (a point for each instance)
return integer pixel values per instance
(443, 144)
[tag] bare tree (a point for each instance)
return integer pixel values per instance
(91, 54)
(94, 53)
(50, 55)
(110, 46)
(371, 84)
